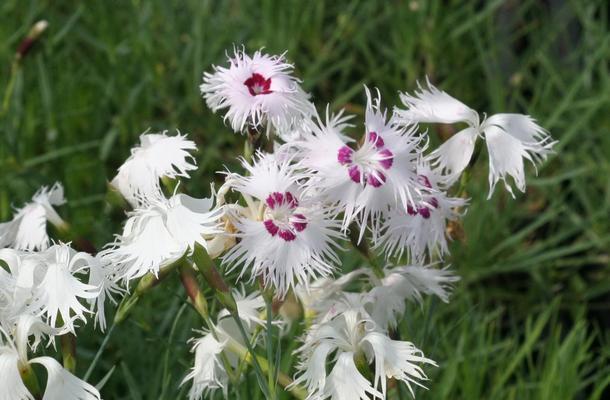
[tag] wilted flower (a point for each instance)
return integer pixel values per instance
(28, 228)
(510, 138)
(257, 90)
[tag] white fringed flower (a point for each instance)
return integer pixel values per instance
(510, 138)
(48, 286)
(105, 276)
(18, 285)
(386, 301)
(366, 180)
(60, 291)
(160, 232)
(256, 90)
(320, 296)
(208, 373)
(61, 384)
(284, 237)
(421, 229)
(28, 228)
(355, 338)
(157, 156)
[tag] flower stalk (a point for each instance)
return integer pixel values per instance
(146, 283)
(30, 380)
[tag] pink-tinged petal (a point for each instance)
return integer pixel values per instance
(270, 202)
(287, 235)
(299, 222)
(344, 155)
(271, 227)
(376, 179)
(424, 212)
(376, 140)
(291, 200)
(423, 179)
(278, 197)
(387, 160)
(354, 173)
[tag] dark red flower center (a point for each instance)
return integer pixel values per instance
(368, 164)
(424, 209)
(257, 84)
(281, 218)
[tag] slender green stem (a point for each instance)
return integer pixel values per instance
(272, 370)
(146, 283)
(8, 92)
(99, 353)
(284, 380)
(199, 302)
(254, 357)
(206, 266)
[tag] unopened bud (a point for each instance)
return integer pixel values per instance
(34, 33)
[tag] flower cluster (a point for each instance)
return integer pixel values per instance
(45, 294)
(283, 223)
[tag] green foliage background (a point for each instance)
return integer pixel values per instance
(530, 318)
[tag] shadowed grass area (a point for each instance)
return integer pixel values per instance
(530, 317)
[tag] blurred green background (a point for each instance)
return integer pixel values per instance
(530, 318)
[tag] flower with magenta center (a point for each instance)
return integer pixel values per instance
(257, 91)
(362, 181)
(285, 238)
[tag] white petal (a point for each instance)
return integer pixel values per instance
(160, 232)
(158, 155)
(28, 325)
(396, 359)
(313, 369)
(146, 249)
(264, 176)
(430, 104)
(208, 373)
(105, 277)
(189, 219)
(61, 291)
(453, 156)
(510, 139)
(345, 382)
(249, 308)
(418, 235)
(11, 385)
(62, 385)
(27, 230)
(426, 280)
